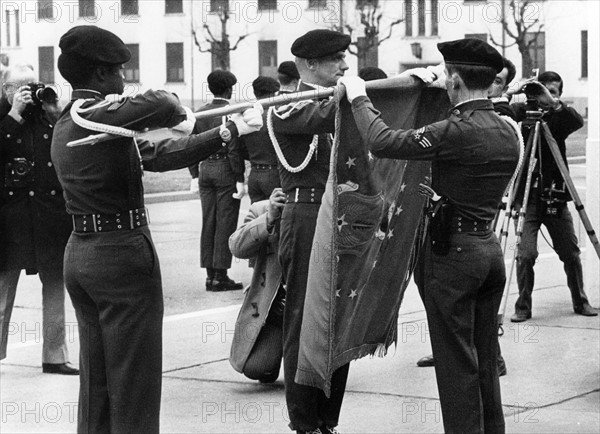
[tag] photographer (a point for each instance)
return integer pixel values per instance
(34, 226)
(548, 196)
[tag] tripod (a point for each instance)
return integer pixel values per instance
(537, 128)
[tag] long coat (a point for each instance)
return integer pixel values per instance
(34, 225)
(252, 240)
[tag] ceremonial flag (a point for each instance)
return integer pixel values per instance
(364, 243)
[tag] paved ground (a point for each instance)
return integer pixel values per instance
(552, 386)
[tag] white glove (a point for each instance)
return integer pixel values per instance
(187, 125)
(355, 87)
(425, 75)
(249, 121)
(194, 187)
(241, 190)
(440, 73)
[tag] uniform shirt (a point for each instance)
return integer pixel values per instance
(474, 153)
(106, 178)
(257, 148)
(294, 126)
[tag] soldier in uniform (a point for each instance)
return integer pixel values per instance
(288, 77)
(111, 268)
(221, 184)
(34, 226)
(303, 134)
(257, 148)
(474, 154)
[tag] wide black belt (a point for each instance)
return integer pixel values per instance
(218, 156)
(264, 166)
(304, 195)
(462, 225)
(127, 220)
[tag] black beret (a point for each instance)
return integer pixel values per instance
(95, 45)
(219, 81)
(471, 51)
(264, 86)
(289, 68)
(320, 43)
(369, 73)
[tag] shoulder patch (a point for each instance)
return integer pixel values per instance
(419, 137)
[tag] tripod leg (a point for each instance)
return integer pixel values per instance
(565, 174)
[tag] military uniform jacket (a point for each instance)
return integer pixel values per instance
(561, 124)
(257, 148)
(474, 153)
(252, 240)
(34, 225)
(232, 149)
(107, 177)
(291, 123)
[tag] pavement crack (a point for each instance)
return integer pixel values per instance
(196, 365)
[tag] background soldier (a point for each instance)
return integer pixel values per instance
(288, 76)
(111, 268)
(548, 199)
(221, 183)
(320, 61)
(34, 226)
(474, 154)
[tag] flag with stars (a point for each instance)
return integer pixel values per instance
(364, 245)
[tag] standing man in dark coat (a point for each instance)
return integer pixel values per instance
(34, 226)
(111, 269)
(257, 148)
(474, 154)
(221, 184)
(288, 77)
(302, 132)
(548, 199)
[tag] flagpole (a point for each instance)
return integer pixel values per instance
(400, 81)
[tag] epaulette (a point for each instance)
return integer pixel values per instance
(285, 111)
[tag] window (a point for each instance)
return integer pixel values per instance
(434, 17)
(13, 34)
(173, 6)
(131, 69)
(481, 36)
(317, 4)
(267, 5)
(267, 58)
(408, 16)
(129, 7)
(421, 10)
(537, 51)
(219, 5)
(45, 10)
(87, 8)
(584, 54)
(175, 62)
(46, 64)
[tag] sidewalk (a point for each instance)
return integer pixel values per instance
(553, 360)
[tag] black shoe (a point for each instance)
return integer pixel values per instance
(59, 368)
(209, 284)
(520, 316)
(225, 285)
(426, 361)
(586, 310)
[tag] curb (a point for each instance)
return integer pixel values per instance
(169, 196)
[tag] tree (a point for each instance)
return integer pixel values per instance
(524, 27)
(369, 15)
(220, 48)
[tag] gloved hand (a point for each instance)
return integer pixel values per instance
(186, 126)
(241, 190)
(249, 121)
(440, 73)
(194, 187)
(425, 75)
(355, 87)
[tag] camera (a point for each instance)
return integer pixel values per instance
(18, 173)
(554, 199)
(41, 93)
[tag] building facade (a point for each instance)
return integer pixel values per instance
(166, 37)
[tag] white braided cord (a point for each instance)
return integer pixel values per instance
(96, 126)
(311, 148)
(515, 126)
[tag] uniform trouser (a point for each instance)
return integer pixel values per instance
(564, 241)
(308, 407)
(54, 349)
(462, 293)
(261, 182)
(114, 281)
(219, 213)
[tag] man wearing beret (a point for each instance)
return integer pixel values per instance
(288, 77)
(474, 154)
(302, 132)
(221, 185)
(111, 268)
